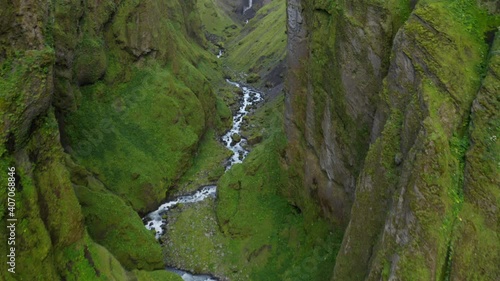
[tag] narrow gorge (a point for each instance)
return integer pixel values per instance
(204, 140)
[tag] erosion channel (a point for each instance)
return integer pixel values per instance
(234, 142)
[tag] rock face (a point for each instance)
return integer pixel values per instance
(476, 243)
(332, 115)
(382, 115)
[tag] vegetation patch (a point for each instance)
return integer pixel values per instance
(208, 164)
(217, 22)
(114, 224)
(138, 136)
(261, 43)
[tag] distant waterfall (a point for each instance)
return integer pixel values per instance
(250, 2)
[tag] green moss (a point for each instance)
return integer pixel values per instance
(49, 225)
(475, 244)
(76, 263)
(472, 52)
(158, 275)
(87, 260)
(418, 162)
(91, 62)
(138, 127)
(225, 115)
(125, 130)
(444, 96)
(265, 228)
(216, 19)
(475, 241)
(253, 78)
(97, 14)
(200, 251)
(105, 263)
(25, 83)
(117, 227)
(207, 166)
(57, 202)
(96, 45)
(33, 242)
(374, 187)
(261, 43)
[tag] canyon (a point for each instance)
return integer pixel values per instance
(251, 140)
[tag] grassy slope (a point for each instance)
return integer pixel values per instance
(261, 44)
(216, 21)
(208, 164)
(138, 126)
(132, 244)
(52, 238)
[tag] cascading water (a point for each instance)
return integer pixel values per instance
(249, 6)
(250, 97)
(154, 220)
(186, 276)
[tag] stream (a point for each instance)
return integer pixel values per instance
(155, 220)
(249, 6)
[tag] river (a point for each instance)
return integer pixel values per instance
(154, 220)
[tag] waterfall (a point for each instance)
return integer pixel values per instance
(249, 6)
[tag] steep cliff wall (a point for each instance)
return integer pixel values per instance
(378, 114)
(475, 247)
(338, 56)
(83, 83)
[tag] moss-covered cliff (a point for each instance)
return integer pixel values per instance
(103, 105)
(383, 104)
(387, 167)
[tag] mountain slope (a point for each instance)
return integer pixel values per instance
(75, 80)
